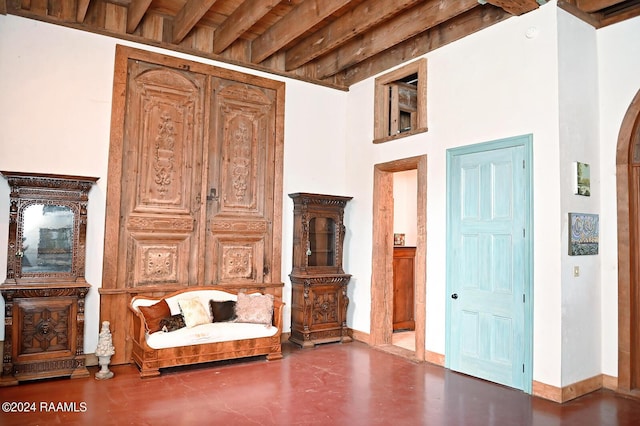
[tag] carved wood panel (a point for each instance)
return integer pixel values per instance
(45, 327)
(195, 183)
(240, 179)
(162, 160)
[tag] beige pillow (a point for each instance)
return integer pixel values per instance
(256, 309)
(193, 312)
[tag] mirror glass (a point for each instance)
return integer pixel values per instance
(47, 239)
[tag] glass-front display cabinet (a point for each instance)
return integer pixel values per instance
(319, 283)
(45, 288)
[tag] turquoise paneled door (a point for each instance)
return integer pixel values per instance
(489, 261)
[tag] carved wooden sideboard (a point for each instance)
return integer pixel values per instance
(319, 285)
(195, 183)
(45, 288)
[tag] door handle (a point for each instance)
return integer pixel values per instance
(454, 296)
(213, 196)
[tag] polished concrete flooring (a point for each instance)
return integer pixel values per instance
(332, 384)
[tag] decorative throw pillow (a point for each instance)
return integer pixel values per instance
(223, 311)
(153, 314)
(255, 309)
(172, 323)
(193, 312)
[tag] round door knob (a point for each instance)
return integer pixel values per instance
(454, 296)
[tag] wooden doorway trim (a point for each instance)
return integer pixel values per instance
(628, 253)
(381, 327)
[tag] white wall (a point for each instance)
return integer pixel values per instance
(579, 141)
(405, 205)
(55, 117)
(55, 108)
(619, 81)
(494, 84)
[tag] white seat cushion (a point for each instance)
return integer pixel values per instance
(209, 333)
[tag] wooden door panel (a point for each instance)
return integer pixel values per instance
(46, 329)
(162, 184)
(195, 182)
(239, 259)
(155, 260)
(240, 193)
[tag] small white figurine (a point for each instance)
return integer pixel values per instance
(104, 351)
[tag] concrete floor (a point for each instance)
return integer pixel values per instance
(332, 384)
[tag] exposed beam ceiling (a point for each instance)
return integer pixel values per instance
(335, 43)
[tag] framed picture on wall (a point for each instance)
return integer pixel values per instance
(581, 179)
(583, 234)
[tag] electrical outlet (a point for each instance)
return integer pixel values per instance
(576, 271)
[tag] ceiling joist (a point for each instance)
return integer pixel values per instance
(334, 43)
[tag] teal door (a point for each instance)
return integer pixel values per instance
(488, 261)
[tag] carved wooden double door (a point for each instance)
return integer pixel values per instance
(195, 180)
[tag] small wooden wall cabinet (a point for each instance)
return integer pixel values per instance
(403, 283)
(45, 289)
(319, 284)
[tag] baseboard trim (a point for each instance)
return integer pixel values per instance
(574, 390)
(360, 336)
(90, 360)
(609, 382)
(434, 358)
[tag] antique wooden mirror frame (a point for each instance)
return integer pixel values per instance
(47, 227)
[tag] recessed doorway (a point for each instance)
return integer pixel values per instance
(381, 334)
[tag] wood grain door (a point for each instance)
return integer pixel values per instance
(240, 184)
(161, 176)
(194, 195)
(488, 278)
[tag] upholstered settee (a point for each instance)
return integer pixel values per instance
(203, 324)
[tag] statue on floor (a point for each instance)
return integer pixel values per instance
(104, 351)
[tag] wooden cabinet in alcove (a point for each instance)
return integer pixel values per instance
(403, 284)
(319, 284)
(195, 183)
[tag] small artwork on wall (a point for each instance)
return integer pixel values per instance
(582, 179)
(583, 234)
(398, 239)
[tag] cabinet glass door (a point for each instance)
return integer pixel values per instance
(321, 242)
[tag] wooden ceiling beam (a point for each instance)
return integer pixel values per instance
(394, 31)
(514, 7)
(81, 11)
(243, 18)
(135, 13)
(65, 10)
(591, 6)
(188, 17)
(304, 16)
(571, 7)
(349, 25)
(462, 25)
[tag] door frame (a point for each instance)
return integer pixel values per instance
(381, 328)
(525, 141)
(628, 268)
